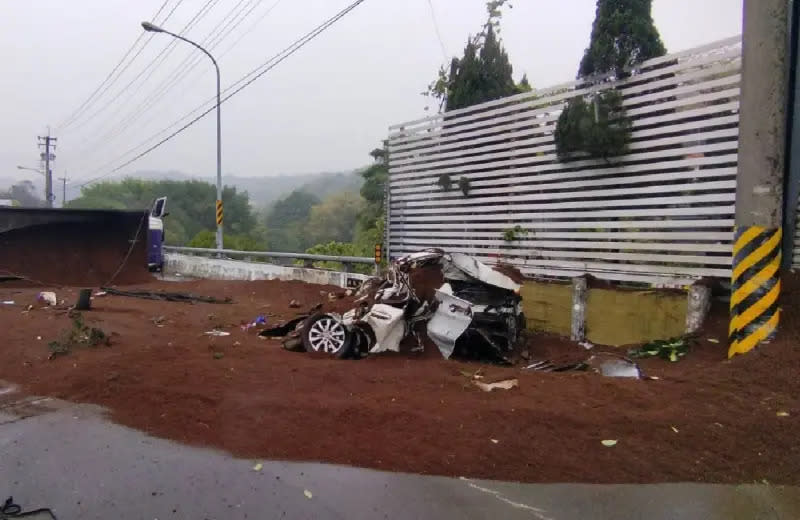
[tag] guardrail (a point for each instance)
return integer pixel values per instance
(308, 259)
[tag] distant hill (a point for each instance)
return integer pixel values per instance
(263, 191)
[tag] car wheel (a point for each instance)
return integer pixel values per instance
(326, 334)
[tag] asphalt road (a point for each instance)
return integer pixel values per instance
(73, 460)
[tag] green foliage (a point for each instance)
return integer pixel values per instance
(483, 73)
(623, 34)
(597, 127)
(335, 218)
(670, 350)
(524, 85)
(208, 239)
(464, 185)
(191, 205)
(445, 182)
(286, 222)
(79, 334)
(515, 233)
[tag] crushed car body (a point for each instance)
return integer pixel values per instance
(475, 312)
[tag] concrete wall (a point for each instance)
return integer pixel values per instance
(614, 316)
(624, 317)
(548, 306)
(217, 269)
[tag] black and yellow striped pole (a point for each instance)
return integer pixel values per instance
(755, 287)
(220, 213)
(755, 278)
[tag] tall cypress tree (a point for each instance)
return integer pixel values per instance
(623, 34)
(481, 74)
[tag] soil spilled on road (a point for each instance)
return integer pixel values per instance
(706, 419)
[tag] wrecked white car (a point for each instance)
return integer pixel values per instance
(476, 312)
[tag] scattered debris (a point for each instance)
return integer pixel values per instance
(548, 366)
(308, 494)
(782, 414)
(507, 384)
(47, 297)
(294, 304)
(158, 321)
(78, 335)
(588, 345)
(165, 296)
(217, 333)
(99, 294)
(219, 355)
(608, 443)
(671, 349)
(8, 302)
(612, 365)
(259, 320)
(258, 467)
(713, 340)
(674, 429)
(84, 301)
(494, 441)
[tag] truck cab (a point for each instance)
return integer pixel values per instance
(155, 235)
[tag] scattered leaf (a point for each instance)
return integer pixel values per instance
(218, 355)
(258, 467)
(609, 442)
(782, 414)
(308, 494)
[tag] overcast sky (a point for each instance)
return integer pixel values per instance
(323, 109)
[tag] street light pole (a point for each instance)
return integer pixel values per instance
(147, 26)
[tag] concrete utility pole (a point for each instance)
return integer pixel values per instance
(63, 180)
(759, 188)
(48, 142)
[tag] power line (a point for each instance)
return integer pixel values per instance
(255, 73)
(77, 112)
(214, 38)
(123, 126)
(153, 66)
(436, 28)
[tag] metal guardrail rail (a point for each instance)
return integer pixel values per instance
(307, 258)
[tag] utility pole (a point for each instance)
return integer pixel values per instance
(48, 142)
(63, 180)
(755, 282)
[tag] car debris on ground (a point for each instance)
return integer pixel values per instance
(476, 311)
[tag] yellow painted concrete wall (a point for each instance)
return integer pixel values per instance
(622, 317)
(613, 316)
(548, 306)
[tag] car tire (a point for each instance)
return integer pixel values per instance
(325, 334)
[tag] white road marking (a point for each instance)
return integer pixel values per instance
(535, 511)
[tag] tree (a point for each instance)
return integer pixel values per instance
(286, 222)
(190, 205)
(335, 218)
(483, 73)
(208, 239)
(623, 34)
(24, 193)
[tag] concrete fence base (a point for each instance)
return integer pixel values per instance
(222, 269)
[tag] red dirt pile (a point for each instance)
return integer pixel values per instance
(706, 419)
